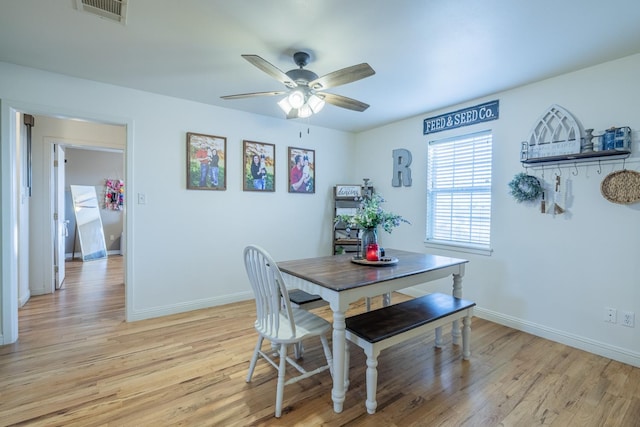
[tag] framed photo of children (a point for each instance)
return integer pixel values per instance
(206, 165)
(302, 166)
(259, 170)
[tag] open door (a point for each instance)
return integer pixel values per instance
(59, 217)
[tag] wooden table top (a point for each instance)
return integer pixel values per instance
(338, 273)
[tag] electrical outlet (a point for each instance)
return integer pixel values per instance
(610, 315)
(628, 319)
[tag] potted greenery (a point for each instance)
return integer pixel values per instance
(369, 217)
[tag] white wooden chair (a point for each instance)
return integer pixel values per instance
(305, 301)
(278, 322)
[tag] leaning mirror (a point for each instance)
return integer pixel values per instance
(88, 222)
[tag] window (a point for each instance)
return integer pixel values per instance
(459, 191)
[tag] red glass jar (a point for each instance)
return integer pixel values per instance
(372, 252)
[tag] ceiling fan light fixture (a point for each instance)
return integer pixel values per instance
(305, 111)
(316, 103)
(296, 99)
(285, 105)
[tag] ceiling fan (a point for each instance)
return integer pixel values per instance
(305, 90)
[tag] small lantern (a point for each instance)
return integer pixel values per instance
(372, 252)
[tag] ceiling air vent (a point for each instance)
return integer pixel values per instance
(114, 10)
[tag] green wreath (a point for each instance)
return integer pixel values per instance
(525, 188)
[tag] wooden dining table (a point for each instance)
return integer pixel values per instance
(340, 281)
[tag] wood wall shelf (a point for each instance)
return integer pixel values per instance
(593, 156)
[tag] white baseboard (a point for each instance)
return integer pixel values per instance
(587, 344)
(24, 298)
(188, 306)
(39, 291)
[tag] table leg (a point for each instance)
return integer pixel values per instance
(339, 352)
(457, 293)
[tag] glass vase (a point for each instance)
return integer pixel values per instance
(369, 235)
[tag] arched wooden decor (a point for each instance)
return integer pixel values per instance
(555, 133)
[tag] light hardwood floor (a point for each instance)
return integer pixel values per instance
(78, 363)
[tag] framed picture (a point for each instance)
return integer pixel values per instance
(259, 166)
(206, 166)
(302, 166)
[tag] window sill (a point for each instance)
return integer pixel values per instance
(458, 247)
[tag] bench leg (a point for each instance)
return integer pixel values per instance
(455, 332)
(438, 343)
(372, 379)
(386, 299)
(457, 293)
(298, 350)
(466, 334)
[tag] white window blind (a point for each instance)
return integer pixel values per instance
(459, 190)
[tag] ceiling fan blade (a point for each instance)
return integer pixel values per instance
(250, 95)
(343, 76)
(343, 101)
(270, 69)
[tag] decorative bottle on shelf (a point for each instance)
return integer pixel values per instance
(587, 145)
(597, 142)
(609, 139)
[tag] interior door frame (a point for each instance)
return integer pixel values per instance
(10, 198)
(49, 273)
(60, 221)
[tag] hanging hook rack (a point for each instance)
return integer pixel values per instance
(599, 168)
(576, 168)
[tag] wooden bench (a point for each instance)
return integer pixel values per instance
(305, 300)
(377, 330)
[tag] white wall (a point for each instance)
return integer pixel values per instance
(184, 247)
(551, 276)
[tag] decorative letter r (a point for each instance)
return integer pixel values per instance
(401, 170)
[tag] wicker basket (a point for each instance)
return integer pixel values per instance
(622, 187)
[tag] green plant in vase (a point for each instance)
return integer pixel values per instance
(369, 217)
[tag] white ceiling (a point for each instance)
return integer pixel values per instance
(427, 54)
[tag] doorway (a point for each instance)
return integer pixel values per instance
(13, 198)
(92, 152)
